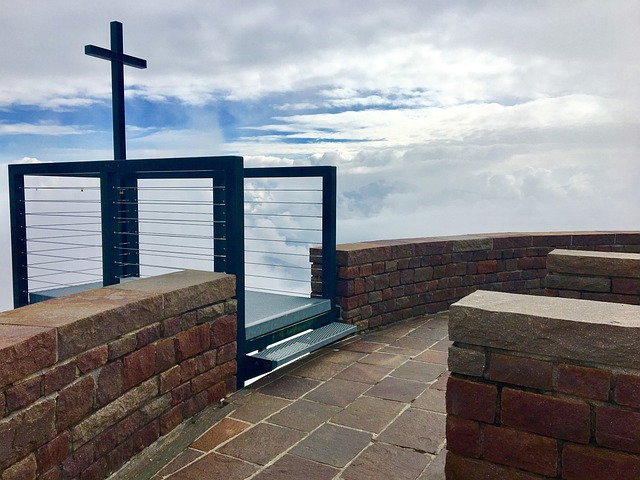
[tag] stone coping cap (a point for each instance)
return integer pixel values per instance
(582, 330)
(584, 262)
(94, 317)
(25, 350)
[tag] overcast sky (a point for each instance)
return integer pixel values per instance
(443, 117)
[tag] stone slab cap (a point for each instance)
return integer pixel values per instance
(589, 331)
(91, 318)
(584, 262)
(185, 290)
(24, 351)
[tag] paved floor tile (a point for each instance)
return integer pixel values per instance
(258, 407)
(337, 392)
(362, 346)
(433, 356)
(429, 333)
(364, 373)
(397, 389)
(290, 467)
(342, 357)
(290, 387)
(319, 370)
(410, 352)
(262, 443)
(413, 343)
(185, 458)
(369, 413)
(214, 466)
(221, 432)
(419, 371)
(435, 470)
(417, 429)
(441, 382)
(384, 359)
(304, 415)
(442, 345)
(332, 445)
(384, 462)
(431, 399)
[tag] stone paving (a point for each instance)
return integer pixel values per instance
(370, 407)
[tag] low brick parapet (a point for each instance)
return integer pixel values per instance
(380, 282)
(89, 380)
(543, 387)
(603, 276)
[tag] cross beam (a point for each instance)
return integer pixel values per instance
(118, 60)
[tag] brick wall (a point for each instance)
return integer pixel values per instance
(89, 380)
(543, 387)
(603, 276)
(385, 281)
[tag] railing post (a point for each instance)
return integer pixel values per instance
(109, 211)
(18, 216)
(329, 204)
(219, 224)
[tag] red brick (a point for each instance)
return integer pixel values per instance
(165, 355)
(122, 346)
(627, 390)
(74, 402)
(147, 335)
(218, 392)
(96, 471)
(546, 415)
(195, 404)
(378, 268)
(227, 353)
(224, 330)
(581, 462)
(109, 383)
(463, 436)
(79, 461)
(146, 435)
(188, 369)
(349, 303)
(36, 427)
(463, 468)
(529, 263)
(120, 455)
(23, 394)
(180, 393)
(138, 366)
(93, 358)
(112, 437)
(518, 241)
(345, 288)
(54, 474)
(53, 452)
(169, 379)
(348, 272)
(472, 400)
(206, 380)
(626, 286)
(526, 372)
(59, 377)
(24, 351)
(25, 469)
(170, 420)
(523, 450)
(618, 429)
(171, 327)
(584, 382)
(193, 341)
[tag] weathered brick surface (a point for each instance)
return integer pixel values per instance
(618, 429)
(138, 366)
(53, 452)
(527, 451)
(526, 372)
(24, 350)
(546, 415)
(109, 383)
(463, 436)
(74, 402)
(93, 359)
(224, 330)
(458, 467)
(472, 400)
(192, 342)
(59, 376)
(466, 361)
(584, 382)
(24, 393)
(25, 469)
(580, 462)
(627, 391)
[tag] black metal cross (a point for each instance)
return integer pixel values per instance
(118, 60)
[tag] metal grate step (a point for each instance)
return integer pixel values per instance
(296, 347)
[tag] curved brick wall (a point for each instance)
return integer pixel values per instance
(385, 281)
(89, 380)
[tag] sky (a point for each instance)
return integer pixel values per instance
(442, 117)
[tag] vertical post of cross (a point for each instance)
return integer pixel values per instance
(127, 216)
